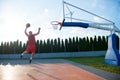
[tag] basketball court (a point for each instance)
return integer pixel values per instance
(51, 69)
(57, 70)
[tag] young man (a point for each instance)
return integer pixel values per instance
(31, 42)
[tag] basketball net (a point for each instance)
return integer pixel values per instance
(55, 24)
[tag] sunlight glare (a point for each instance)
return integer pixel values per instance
(8, 72)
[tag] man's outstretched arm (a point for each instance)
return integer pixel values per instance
(26, 31)
(38, 31)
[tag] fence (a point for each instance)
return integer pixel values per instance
(55, 55)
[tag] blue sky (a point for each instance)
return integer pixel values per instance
(14, 14)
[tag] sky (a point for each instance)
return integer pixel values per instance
(14, 14)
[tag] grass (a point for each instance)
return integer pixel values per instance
(97, 62)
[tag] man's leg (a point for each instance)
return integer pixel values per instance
(33, 52)
(32, 55)
(21, 56)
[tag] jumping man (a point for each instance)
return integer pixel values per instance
(31, 42)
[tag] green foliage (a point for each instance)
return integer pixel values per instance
(97, 62)
(12, 47)
(74, 44)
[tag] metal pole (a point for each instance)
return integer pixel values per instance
(89, 12)
(63, 11)
(71, 13)
(119, 42)
(112, 30)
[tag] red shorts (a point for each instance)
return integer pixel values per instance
(30, 48)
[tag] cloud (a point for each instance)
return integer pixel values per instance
(46, 10)
(94, 3)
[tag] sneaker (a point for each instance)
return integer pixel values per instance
(30, 61)
(21, 56)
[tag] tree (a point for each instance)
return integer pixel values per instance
(2, 48)
(41, 46)
(48, 46)
(88, 44)
(52, 45)
(37, 46)
(77, 44)
(92, 44)
(57, 45)
(66, 45)
(95, 44)
(100, 43)
(62, 46)
(104, 43)
(70, 46)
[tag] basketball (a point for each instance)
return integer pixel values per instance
(28, 25)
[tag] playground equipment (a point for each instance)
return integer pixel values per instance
(112, 56)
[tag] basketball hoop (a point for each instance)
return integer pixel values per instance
(55, 24)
